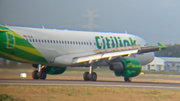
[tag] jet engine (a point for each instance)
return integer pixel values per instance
(127, 67)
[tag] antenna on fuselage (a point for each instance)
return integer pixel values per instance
(125, 31)
(43, 26)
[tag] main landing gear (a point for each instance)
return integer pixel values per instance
(90, 76)
(40, 73)
(127, 79)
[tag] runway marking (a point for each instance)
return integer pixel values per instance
(94, 85)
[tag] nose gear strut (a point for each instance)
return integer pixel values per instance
(41, 73)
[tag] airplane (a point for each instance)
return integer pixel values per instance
(51, 51)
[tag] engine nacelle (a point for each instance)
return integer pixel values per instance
(55, 70)
(126, 67)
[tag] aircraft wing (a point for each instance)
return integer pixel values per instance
(116, 52)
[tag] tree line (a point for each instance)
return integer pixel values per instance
(170, 51)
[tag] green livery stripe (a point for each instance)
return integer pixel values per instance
(14, 47)
(12, 57)
(21, 42)
(28, 49)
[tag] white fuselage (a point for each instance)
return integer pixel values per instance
(68, 44)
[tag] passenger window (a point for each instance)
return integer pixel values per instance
(59, 41)
(54, 41)
(45, 40)
(48, 41)
(27, 40)
(87, 43)
(71, 42)
(30, 40)
(79, 42)
(68, 42)
(84, 43)
(39, 40)
(63, 42)
(42, 40)
(51, 41)
(33, 40)
(90, 43)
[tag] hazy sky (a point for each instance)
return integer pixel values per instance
(153, 20)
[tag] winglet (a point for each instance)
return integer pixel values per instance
(161, 46)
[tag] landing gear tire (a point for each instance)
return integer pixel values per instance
(127, 79)
(35, 74)
(90, 77)
(42, 74)
(93, 76)
(86, 76)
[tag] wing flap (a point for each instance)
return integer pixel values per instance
(117, 52)
(96, 57)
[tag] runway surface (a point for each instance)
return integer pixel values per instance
(142, 85)
(55, 82)
(105, 76)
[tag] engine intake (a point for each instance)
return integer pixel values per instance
(117, 67)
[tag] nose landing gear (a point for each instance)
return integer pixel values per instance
(40, 73)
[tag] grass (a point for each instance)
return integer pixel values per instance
(6, 97)
(72, 93)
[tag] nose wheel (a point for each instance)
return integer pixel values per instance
(35, 74)
(40, 73)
